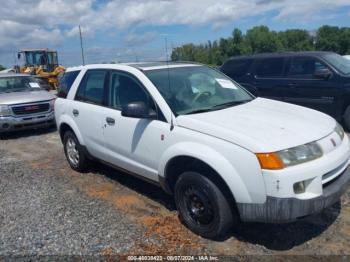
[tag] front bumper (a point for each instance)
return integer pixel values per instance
(283, 210)
(11, 123)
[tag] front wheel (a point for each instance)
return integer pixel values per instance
(202, 206)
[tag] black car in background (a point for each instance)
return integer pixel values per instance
(319, 80)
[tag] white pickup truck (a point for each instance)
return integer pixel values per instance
(224, 154)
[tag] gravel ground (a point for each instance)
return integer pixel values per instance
(48, 209)
(42, 213)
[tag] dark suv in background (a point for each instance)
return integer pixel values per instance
(319, 80)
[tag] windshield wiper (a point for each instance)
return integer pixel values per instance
(231, 103)
(202, 110)
(15, 90)
(218, 107)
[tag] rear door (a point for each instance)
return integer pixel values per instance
(87, 109)
(306, 90)
(269, 77)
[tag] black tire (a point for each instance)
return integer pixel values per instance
(202, 206)
(346, 119)
(81, 165)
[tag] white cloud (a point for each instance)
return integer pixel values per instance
(133, 39)
(306, 9)
(44, 23)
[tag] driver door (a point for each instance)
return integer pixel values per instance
(132, 143)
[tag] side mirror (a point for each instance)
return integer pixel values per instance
(138, 110)
(323, 74)
(19, 56)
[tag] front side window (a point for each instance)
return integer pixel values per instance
(124, 89)
(195, 89)
(91, 89)
(304, 67)
(18, 84)
(270, 68)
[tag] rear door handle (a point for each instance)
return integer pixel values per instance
(75, 112)
(110, 121)
(292, 84)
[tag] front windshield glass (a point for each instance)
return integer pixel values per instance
(18, 84)
(340, 63)
(196, 89)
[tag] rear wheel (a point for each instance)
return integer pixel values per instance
(202, 206)
(74, 152)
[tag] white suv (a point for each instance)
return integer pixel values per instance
(224, 154)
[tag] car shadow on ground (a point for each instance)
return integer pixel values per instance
(27, 133)
(272, 236)
(283, 237)
(136, 184)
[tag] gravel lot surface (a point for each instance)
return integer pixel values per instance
(48, 209)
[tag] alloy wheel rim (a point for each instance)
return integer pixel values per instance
(72, 152)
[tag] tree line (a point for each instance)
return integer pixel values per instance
(261, 39)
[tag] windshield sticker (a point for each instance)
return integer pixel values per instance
(34, 85)
(226, 83)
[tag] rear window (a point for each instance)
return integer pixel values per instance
(65, 83)
(270, 68)
(237, 68)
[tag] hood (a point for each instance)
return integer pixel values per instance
(25, 97)
(262, 125)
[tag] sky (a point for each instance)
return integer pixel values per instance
(135, 30)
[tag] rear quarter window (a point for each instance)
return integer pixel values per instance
(65, 83)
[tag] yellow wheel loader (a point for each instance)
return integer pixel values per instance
(42, 63)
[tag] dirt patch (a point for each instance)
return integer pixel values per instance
(179, 240)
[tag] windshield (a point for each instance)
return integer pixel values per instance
(340, 63)
(18, 84)
(196, 89)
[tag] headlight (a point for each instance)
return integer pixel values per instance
(52, 104)
(339, 130)
(300, 154)
(289, 157)
(4, 110)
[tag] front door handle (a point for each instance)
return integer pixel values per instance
(292, 85)
(75, 112)
(110, 121)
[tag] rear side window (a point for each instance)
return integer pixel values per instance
(65, 83)
(270, 68)
(91, 88)
(237, 68)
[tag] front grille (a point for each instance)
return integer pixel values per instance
(30, 109)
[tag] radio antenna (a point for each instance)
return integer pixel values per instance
(169, 82)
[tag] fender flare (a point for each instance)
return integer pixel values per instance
(68, 121)
(212, 158)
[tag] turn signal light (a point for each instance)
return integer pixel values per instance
(270, 161)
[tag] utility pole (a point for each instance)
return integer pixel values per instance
(166, 48)
(81, 45)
